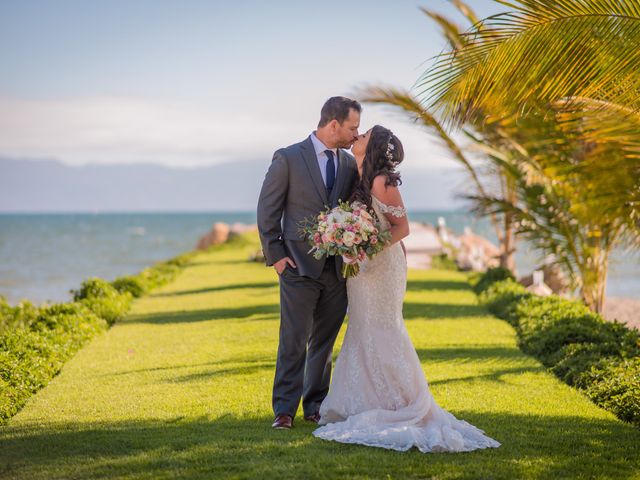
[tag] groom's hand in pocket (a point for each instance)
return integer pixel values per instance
(281, 264)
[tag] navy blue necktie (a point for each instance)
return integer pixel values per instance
(331, 170)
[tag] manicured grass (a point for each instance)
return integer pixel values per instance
(182, 388)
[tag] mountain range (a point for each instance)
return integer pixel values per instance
(28, 185)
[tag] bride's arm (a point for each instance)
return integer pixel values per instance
(395, 211)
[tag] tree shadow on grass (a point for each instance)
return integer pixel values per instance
(419, 285)
(472, 353)
(219, 261)
(248, 313)
(247, 369)
(533, 446)
(237, 286)
(412, 310)
(481, 354)
(250, 360)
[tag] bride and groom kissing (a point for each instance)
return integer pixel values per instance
(378, 395)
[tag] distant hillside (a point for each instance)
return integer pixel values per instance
(50, 186)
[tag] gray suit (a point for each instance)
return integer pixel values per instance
(313, 298)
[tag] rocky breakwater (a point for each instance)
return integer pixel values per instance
(221, 232)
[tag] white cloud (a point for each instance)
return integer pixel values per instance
(120, 130)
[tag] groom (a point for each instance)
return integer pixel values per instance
(302, 180)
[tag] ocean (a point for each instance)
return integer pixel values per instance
(43, 256)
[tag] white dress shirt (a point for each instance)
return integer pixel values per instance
(322, 157)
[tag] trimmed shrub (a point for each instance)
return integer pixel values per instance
(129, 284)
(492, 276)
(547, 324)
(35, 342)
(30, 356)
(600, 358)
(103, 299)
(575, 359)
(502, 298)
(615, 386)
(18, 316)
(443, 262)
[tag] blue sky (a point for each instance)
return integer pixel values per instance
(201, 82)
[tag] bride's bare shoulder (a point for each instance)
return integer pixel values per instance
(388, 194)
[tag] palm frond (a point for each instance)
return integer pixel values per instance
(542, 52)
(411, 105)
(466, 10)
(450, 30)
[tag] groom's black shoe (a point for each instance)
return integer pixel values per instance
(315, 418)
(283, 422)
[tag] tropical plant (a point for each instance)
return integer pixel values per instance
(490, 138)
(574, 117)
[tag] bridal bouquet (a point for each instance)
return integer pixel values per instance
(349, 230)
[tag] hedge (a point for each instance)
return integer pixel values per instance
(600, 358)
(36, 341)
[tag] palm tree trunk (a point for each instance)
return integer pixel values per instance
(507, 259)
(594, 278)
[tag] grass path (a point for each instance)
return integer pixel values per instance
(182, 388)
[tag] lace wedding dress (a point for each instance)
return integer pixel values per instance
(379, 395)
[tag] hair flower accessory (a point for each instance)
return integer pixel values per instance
(390, 149)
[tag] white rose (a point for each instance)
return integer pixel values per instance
(334, 217)
(348, 238)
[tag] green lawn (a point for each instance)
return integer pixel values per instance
(182, 388)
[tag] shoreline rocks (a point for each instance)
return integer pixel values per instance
(221, 232)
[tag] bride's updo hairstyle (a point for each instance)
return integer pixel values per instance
(383, 154)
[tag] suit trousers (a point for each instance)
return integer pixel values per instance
(311, 314)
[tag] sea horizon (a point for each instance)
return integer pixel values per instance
(107, 244)
(194, 211)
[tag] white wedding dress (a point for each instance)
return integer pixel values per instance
(379, 395)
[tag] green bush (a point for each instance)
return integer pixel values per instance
(575, 359)
(553, 323)
(18, 316)
(30, 356)
(615, 386)
(599, 357)
(152, 277)
(129, 284)
(103, 299)
(443, 262)
(35, 342)
(502, 298)
(492, 276)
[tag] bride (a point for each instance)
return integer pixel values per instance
(379, 395)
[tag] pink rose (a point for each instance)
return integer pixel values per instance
(373, 240)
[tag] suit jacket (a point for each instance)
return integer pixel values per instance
(293, 190)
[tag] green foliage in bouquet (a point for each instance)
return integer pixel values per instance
(350, 230)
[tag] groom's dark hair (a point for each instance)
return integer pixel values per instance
(337, 108)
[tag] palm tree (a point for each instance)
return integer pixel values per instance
(561, 78)
(542, 52)
(478, 131)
